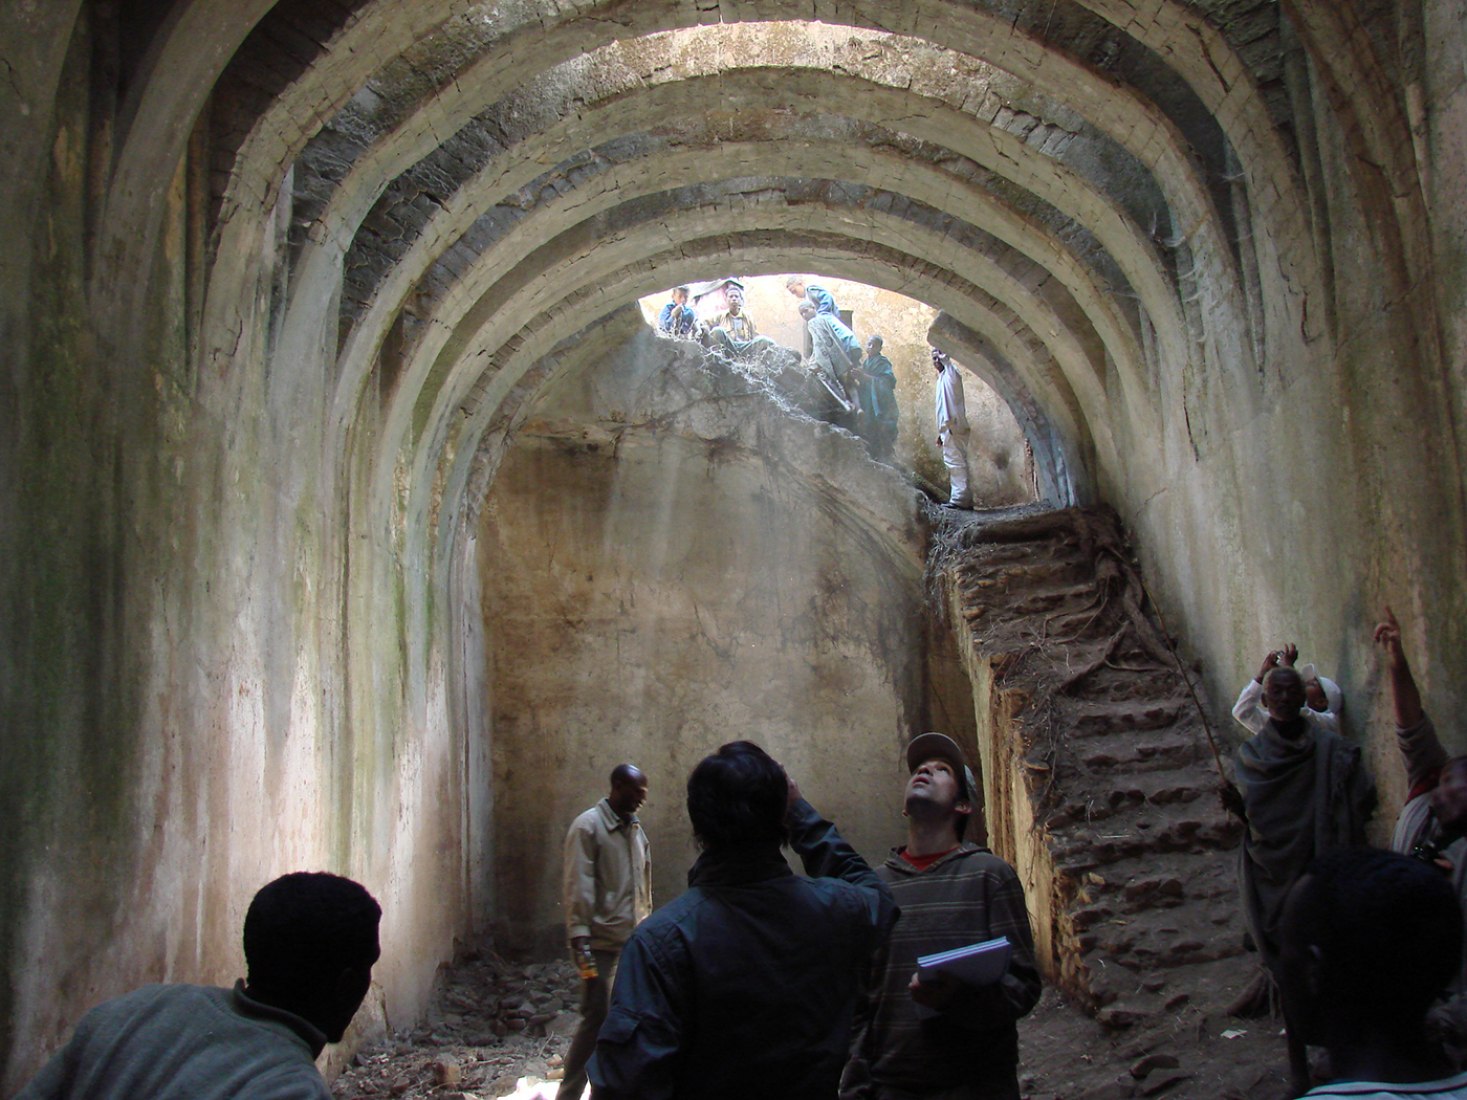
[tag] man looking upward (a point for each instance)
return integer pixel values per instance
(1304, 791)
(940, 1038)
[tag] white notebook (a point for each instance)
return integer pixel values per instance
(976, 964)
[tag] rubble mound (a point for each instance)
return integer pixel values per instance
(495, 1028)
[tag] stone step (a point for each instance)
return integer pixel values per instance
(1143, 894)
(1177, 786)
(1110, 686)
(1034, 572)
(1200, 878)
(1082, 849)
(1153, 753)
(1154, 940)
(1127, 716)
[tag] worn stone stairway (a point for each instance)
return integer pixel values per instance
(1099, 783)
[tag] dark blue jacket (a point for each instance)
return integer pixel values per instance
(676, 319)
(745, 985)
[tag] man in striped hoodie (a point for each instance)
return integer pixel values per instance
(940, 1039)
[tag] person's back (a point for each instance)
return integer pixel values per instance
(185, 1042)
(773, 963)
(748, 981)
(310, 941)
(1368, 939)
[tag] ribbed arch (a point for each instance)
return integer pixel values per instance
(1000, 150)
(518, 328)
(1141, 129)
(634, 180)
(492, 301)
(460, 440)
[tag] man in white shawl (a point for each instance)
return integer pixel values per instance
(952, 430)
(1323, 696)
(1304, 791)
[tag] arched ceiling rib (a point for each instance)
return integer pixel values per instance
(1074, 169)
(1009, 275)
(405, 277)
(461, 421)
(868, 112)
(518, 323)
(990, 25)
(663, 217)
(1142, 129)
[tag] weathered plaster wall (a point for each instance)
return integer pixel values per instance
(671, 562)
(1327, 483)
(179, 722)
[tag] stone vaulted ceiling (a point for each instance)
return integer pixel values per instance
(283, 278)
(1106, 198)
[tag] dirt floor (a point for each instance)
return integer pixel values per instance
(500, 1029)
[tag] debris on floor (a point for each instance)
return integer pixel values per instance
(495, 1029)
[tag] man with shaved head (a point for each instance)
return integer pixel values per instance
(1304, 791)
(608, 892)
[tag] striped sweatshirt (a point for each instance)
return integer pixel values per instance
(966, 896)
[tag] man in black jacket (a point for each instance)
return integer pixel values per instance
(746, 983)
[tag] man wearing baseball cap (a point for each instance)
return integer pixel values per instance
(939, 1037)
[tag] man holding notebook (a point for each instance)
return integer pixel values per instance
(936, 1035)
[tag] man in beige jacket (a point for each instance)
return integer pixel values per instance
(608, 892)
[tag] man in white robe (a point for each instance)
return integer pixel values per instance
(952, 430)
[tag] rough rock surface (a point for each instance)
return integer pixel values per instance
(1099, 781)
(492, 1025)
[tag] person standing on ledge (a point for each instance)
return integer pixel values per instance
(952, 430)
(877, 392)
(608, 892)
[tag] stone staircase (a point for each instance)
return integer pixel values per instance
(1099, 783)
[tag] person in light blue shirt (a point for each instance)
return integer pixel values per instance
(817, 296)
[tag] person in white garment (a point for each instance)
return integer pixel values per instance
(952, 430)
(1323, 697)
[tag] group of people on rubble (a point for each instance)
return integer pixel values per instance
(757, 981)
(862, 386)
(1363, 946)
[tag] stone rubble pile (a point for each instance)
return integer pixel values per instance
(492, 1025)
